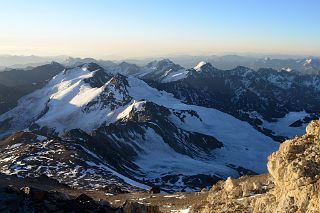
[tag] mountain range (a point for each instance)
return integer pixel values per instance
(159, 124)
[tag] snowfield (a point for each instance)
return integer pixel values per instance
(243, 145)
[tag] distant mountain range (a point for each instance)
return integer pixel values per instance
(157, 124)
(301, 64)
(8, 62)
(306, 65)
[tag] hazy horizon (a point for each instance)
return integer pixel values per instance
(138, 29)
(159, 57)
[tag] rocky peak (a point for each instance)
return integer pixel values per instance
(145, 111)
(163, 70)
(99, 77)
(119, 80)
(125, 65)
(91, 67)
(242, 71)
(163, 64)
(115, 93)
(125, 68)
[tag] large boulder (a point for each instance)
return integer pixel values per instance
(295, 169)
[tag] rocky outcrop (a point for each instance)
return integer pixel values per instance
(295, 169)
(292, 184)
(29, 199)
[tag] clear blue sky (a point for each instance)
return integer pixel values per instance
(130, 28)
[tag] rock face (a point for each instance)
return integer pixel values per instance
(292, 184)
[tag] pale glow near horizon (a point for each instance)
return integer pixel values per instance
(120, 29)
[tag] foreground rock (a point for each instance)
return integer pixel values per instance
(29, 199)
(35, 200)
(292, 184)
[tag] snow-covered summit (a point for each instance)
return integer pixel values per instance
(308, 61)
(199, 66)
(90, 67)
(164, 71)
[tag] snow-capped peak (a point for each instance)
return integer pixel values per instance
(308, 61)
(200, 65)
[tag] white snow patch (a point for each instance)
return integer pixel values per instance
(108, 194)
(175, 76)
(282, 125)
(181, 211)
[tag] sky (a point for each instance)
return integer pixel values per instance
(117, 29)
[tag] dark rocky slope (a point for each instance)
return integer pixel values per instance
(17, 82)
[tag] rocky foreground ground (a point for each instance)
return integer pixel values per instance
(292, 185)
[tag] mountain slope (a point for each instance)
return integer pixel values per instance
(139, 131)
(29, 155)
(8, 97)
(17, 83)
